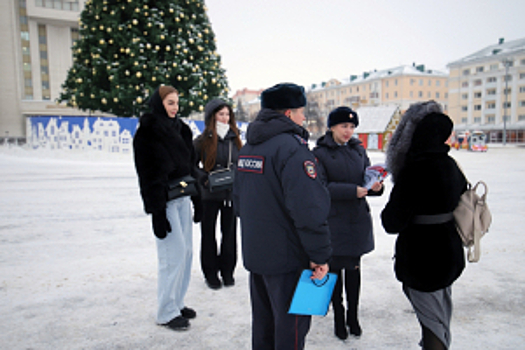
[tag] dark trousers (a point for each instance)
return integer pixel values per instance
(350, 278)
(272, 327)
(212, 260)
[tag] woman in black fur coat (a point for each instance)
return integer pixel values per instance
(429, 254)
(164, 151)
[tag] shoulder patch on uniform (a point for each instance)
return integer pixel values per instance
(300, 139)
(251, 164)
(310, 169)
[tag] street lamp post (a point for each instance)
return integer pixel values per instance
(506, 62)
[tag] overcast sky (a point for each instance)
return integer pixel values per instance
(264, 42)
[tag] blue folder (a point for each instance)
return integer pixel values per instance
(312, 296)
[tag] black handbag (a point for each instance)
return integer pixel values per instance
(183, 186)
(220, 180)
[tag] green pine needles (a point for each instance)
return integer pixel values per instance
(127, 48)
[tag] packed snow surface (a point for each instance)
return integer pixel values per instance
(78, 265)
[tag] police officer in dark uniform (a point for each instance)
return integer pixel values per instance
(283, 208)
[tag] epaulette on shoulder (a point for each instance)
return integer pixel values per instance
(300, 139)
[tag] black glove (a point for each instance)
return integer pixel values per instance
(161, 225)
(197, 209)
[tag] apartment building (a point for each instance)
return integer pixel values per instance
(488, 85)
(35, 54)
(400, 86)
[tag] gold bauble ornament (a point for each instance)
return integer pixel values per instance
(191, 103)
(92, 96)
(145, 33)
(97, 18)
(181, 15)
(139, 99)
(161, 26)
(144, 66)
(135, 22)
(179, 78)
(162, 37)
(139, 74)
(153, 79)
(137, 87)
(199, 35)
(174, 64)
(149, 24)
(101, 27)
(148, 46)
(137, 10)
(157, 47)
(191, 41)
(171, 10)
(126, 72)
(108, 30)
(79, 80)
(81, 94)
(136, 63)
(115, 56)
(168, 48)
(111, 41)
(201, 108)
(115, 99)
(104, 101)
(167, 76)
(128, 50)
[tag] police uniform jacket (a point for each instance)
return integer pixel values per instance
(163, 150)
(343, 169)
(221, 162)
(281, 202)
(427, 257)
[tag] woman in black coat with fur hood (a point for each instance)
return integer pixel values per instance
(429, 253)
(343, 161)
(218, 148)
(163, 151)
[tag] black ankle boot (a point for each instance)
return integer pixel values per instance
(339, 324)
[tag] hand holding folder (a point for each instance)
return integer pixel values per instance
(312, 296)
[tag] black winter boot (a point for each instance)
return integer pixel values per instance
(352, 286)
(339, 310)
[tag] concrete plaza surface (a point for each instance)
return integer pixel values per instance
(78, 265)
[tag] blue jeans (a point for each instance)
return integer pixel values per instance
(175, 254)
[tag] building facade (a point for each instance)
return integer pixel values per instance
(399, 86)
(488, 85)
(35, 55)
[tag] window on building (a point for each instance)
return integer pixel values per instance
(491, 105)
(491, 119)
(506, 104)
(420, 82)
(438, 83)
(395, 82)
(522, 61)
(464, 120)
(395, 94)
(420, 94)
(491, 92)
(477, 95)
(26, 52)
(446, 94)
(466, 72)
(522, 75)
(386, 83)
(68, 5)
(411, 93)
(522, 88)
(386, 95)
(429, 82)
(464, 108)
(477, 107)
(437, 94)
(477, 120)
(479, 69)
(494, 66)
(477, 82)
(411, 81)
(44, 63)
(464, 96)
(492, 79)
(464, 84)
(507, 77)
(521, 117)
(522, 103)
(507, 91)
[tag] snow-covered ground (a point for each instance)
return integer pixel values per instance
(78, 266)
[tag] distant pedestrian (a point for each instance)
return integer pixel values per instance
(429, 254)
(283, 207)
(164, 151)
(217, 149)
(343, 161)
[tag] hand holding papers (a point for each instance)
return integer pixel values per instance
(373, 174)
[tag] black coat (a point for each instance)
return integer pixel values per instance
(343, 169)
(163, 150)
(282, 204)
(221, 162)
(427, 257)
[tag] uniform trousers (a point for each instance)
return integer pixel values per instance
(272, 327)
(212, 260)
(174, 260)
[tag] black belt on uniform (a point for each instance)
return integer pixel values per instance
(432, 219)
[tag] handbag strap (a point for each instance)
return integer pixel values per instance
(230, 155)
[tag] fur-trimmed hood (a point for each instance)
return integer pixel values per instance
(402, 139)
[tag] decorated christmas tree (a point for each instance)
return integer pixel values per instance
(127, 48)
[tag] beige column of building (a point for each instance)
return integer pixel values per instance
(11, 124)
